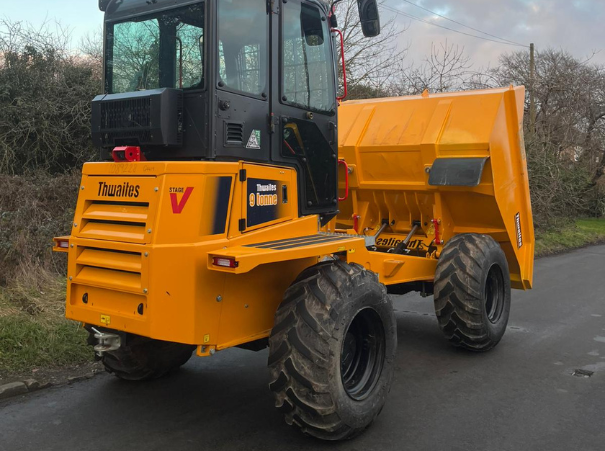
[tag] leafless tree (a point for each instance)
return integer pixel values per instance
(372, 63)
(447, 68)
(91, 45)
(567, 148)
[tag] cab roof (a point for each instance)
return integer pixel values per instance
(122, 9)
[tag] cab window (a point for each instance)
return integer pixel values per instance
(163, 50)
(307, 79)
(243, 46)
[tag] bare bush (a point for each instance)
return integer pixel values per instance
(34, 208)
(566, 147)
(45, 98)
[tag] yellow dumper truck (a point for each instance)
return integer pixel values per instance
(241, 204)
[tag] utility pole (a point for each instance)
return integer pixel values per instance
(532, 80)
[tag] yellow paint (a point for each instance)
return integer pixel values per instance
(392, 142)
(146, 262)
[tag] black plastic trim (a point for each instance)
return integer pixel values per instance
(457, 171)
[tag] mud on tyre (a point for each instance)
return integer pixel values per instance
(332, 350)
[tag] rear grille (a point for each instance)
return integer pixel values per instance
(109, 268)
(234, 133)
(115, 221)
(145, 118)
(131, 113)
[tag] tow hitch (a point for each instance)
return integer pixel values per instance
(106, 342)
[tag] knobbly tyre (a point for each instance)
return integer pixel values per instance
(240, 204)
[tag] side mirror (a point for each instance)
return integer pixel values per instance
(103, 4)
(370, 19)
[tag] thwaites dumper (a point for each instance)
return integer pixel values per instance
(240, 205)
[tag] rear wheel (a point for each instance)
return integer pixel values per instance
(332, 350)
(472, 292)
(140, 358)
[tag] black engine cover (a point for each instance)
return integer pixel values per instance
(145, 118)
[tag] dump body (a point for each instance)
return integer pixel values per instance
(453, 161)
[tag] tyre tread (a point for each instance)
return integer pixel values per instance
(300, 385)
(458, 301)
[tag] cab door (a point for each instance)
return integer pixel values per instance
(242, 79)
(303, 103)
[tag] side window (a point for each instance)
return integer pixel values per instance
(249, 66)
(222, 66)
(307, 79)
(243, 45)
(190, 56)
(136, 56)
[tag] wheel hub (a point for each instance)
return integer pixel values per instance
(362, 354)
(494, 294)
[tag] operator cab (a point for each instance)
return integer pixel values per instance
(252, 80)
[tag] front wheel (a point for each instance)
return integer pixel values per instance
(472, 292)
(332, 350)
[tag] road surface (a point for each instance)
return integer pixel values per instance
(520, 396)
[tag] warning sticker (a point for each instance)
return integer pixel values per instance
(254, 141)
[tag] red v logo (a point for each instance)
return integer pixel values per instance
(177, 207)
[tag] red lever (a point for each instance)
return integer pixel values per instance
(127, 153)
(344, 163)
(344, 64)
(436, 223)
(356, 223)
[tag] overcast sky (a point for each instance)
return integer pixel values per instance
(575, 25)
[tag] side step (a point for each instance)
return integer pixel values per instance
(242, 259)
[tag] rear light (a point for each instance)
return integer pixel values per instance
(61, 244)
(224, 262)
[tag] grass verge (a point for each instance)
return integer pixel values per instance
(33, 331)
(582, 232)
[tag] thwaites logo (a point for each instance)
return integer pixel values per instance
(178, 205)
(263, 201)
(123, 190)
(518, 227)
(265, 196)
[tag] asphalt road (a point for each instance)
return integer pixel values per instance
(520, 396)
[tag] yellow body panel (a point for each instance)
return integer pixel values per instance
(145, 248)
(146, 238)
(391, 146)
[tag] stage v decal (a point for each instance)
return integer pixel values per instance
(179, 205)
